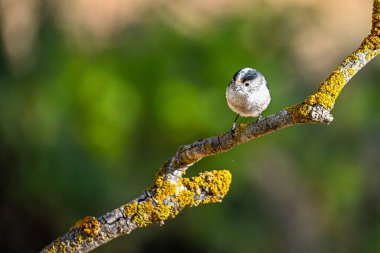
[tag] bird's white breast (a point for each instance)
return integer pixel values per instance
(248, 104)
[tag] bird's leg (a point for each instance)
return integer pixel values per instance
(259, 118)
(234, 124)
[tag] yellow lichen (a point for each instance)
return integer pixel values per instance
(159, 181)
(58, 246)
(185, 199)
(147, 213)
(241, 129)
(142, 217)
(212, 199)
(130, 209)
(351, 71)
(218, 182)
(193, 184)
(215, 183)
(66, 245)
(300, 112)
(163, 189)
(79, 240)
(370, 44)
(88, 225)
(330, 89)
(376, 18)
(162, 212)
(325, 96)
(371, 55)
(50, 250)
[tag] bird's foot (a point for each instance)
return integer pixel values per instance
(233, 127)
(259, 118)
(234, 124)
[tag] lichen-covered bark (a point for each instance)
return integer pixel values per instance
(376, 18)
(325, 97)
(164, 200)
(172, 192)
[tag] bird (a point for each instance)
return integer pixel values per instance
(248, 94)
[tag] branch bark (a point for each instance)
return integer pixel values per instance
(172, 192)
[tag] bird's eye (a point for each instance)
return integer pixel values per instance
(246, 84)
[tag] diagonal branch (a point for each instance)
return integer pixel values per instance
(172, 192)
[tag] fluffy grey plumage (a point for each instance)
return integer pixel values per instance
(248, 94)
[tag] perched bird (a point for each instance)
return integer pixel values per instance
(247, 94)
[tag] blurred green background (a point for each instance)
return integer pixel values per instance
(95, 96)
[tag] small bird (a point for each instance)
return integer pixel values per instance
(247, 94)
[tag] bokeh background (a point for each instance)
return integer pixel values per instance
(95, 95)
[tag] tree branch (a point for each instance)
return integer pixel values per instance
(171, 192)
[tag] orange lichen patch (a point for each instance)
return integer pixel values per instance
(212, 199)
(163, 188)
(148, 213)
(371, 43)
(329, 90)
(88, 225)
(162, 212)
(159, 181)
(376, 18)
(239, 131)
(351, 71)
(185, 199)
(193, 184)
(142, 217)
(375, 41)
(130, 209)
(57, 246)
(215, 183)
(50, 250)
(300, 112)
(325, 96)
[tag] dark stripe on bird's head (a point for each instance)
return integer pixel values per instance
(236, 74)
(250, 75)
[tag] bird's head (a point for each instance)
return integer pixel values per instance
(247, 80)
